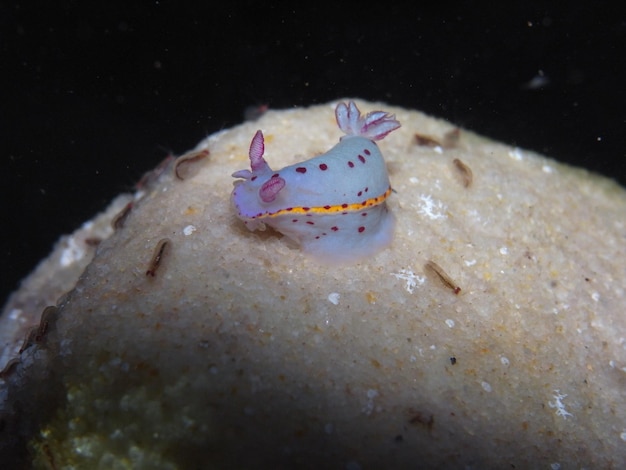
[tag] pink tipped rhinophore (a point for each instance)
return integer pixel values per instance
(257, 149)
(333, 205)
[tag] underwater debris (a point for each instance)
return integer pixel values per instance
(9, 368)
(182, 163)
(464, 172)
(424, 140)
(434, 268)
(151, 177)
(38, 333)
(450, 139)
(157, 257)
(120, 219)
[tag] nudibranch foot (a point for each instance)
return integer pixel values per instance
(349, 246)
(333, 205)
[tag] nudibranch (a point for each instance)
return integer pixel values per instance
(333, 205)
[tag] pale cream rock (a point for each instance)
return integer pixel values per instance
(242, 352)
(53, 277)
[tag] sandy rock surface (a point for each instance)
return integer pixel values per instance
(491, 334)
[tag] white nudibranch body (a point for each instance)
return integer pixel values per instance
(333, 205)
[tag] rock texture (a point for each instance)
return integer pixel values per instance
(491, 334)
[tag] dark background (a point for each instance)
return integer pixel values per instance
(96, 93)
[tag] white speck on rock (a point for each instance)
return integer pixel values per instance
(15, 313)
(369, 405)
(504, 250)
(412, 280)
(595, 296)
(72, 253)
(558, 404)
(486, 386)
(431, 208)
(450, 323)
(555, 466)
(547, 169)
(516, 154)
(189, 229)
(622, 436)
(333, 298)
(505, 361)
